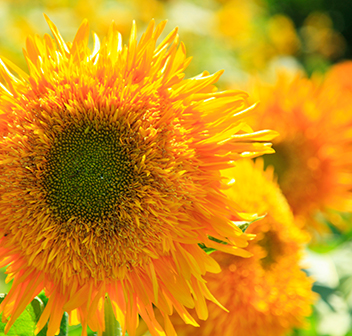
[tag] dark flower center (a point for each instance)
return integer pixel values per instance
(86, 174)
(300, 171)
(273, 246)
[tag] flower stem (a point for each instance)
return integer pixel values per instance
(112, 326)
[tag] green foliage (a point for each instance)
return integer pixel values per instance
(112, 326)
(76, 330)
(26, 323)
(242, 225)
(311, 329)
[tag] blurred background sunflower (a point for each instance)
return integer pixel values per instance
(292, 56)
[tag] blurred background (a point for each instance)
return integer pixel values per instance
(248, 39)
(240, 36)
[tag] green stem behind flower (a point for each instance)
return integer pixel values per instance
(112, 326)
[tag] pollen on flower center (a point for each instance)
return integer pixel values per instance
(87, 171)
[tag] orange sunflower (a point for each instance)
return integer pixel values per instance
(313, 156)
(110, 163)
(267, 294)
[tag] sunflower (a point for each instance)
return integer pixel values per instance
(313, 152)
(110, 163)
(267, 294)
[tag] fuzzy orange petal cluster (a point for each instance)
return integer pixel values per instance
(267, 294)
(313, 156)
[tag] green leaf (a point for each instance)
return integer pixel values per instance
(244, 225)
(207, 250)
(325, 292)
(64, 325)
(38, 307)
(26, 322)
(76, 330)
(44, 301)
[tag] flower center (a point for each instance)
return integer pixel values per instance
(87, 172)
(273, 246)
(300, 172)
